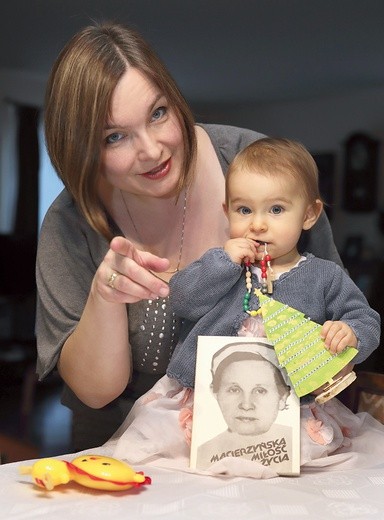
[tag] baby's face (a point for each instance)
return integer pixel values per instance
(269, 209)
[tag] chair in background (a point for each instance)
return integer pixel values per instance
(17, 323)
(366, 394)
(14, 450)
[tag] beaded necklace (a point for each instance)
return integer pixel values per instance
(177, 268)
(267, 278)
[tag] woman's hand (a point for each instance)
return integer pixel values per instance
(125, 275)
(101, 338)
(241, 250)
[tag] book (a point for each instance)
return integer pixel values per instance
(244, 406)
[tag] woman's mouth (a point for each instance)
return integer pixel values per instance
(246, 419)
(159, 172)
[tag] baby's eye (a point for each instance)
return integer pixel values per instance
(114, 138)
(159, 113)
(243, 210)
(276, 210)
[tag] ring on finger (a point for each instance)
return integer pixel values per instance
(111, 280)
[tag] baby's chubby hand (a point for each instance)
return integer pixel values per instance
(241, 250)
(337, 335)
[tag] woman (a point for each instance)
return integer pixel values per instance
(143, 197)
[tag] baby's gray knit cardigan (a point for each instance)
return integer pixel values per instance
(209, 294)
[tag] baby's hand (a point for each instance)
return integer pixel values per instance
(241, 250)
(337, 335)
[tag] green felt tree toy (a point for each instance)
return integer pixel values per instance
(301, 352)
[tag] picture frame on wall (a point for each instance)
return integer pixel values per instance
(361, 161)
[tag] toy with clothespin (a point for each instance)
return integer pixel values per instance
(300, 350)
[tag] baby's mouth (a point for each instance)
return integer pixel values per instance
(257, 241)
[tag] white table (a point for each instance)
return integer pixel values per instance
(178, 495)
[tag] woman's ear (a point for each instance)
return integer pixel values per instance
(312, 214)
(283, 403)
(283, 400)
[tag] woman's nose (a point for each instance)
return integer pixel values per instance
(148, 147)
(247, 403)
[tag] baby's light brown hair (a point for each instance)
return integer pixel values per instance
(278, 156)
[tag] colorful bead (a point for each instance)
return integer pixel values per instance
(267, 278)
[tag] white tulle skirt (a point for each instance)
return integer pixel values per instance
(158, 430)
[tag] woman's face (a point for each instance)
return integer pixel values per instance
(248, 397)
(142, 150)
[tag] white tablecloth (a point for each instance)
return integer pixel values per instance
(178, 495)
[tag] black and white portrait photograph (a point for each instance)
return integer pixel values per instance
(244, 406)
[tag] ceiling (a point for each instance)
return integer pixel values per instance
(220, 51)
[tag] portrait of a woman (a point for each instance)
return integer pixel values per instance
(250, 391)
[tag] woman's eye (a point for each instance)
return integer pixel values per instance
(276, 210)
(113, 138)
(261, 391)
(159, 113)
(244, 210)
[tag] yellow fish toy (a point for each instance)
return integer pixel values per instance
(91, 471)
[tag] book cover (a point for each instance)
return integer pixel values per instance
(244, 406)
